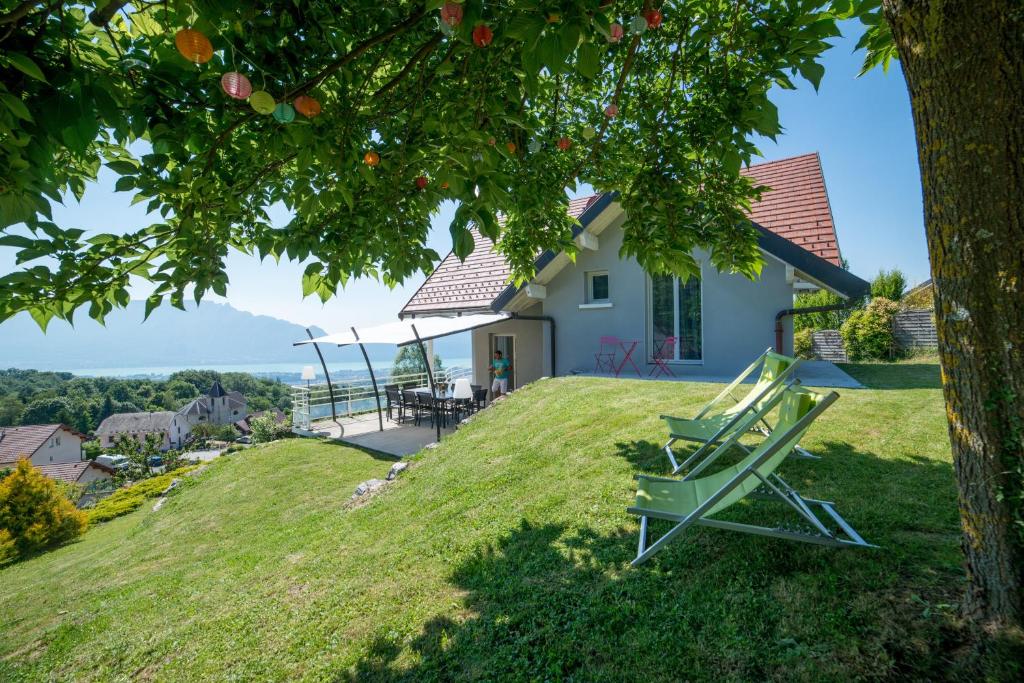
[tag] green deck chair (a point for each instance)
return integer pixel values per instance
(695, 500)
(715, 423)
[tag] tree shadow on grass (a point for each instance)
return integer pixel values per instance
(559, 601)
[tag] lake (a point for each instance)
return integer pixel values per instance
(283, 371)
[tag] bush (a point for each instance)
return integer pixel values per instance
(34, 513)
(7, 550)
(889, 285)
(921, 299)
(830, 320)
(130, 498)
(803, 345)
(868, 334)
(266, 428)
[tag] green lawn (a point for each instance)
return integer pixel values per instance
(505, 553)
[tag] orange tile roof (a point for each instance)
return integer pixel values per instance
(473, 284)
(22, 442)
(65, 471)
(795, 206)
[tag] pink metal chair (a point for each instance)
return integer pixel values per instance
(605, 356)
(664, 352)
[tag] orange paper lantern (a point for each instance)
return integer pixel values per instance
(564, 143)
(421, 182)
(451, 13)
(511, 147)
(307, 106)
(371, 158)
(193, 46)
(653, 18)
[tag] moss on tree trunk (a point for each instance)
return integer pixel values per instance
(964, 66)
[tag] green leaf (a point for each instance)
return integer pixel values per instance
(813, 72)
(16, 106)
(25, 65)
(588, 60)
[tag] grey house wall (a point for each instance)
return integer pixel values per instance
(532, 349)
(738, 315)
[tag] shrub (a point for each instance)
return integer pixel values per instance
(803, 345)
(7, 550)
(266, 428)
(829, 320)
(130, 498)
(34, 512)
(868, 334)
(889, 285)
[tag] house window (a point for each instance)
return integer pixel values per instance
(597, 287)
(676, 312)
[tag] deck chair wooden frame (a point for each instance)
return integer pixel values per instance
(772, 487)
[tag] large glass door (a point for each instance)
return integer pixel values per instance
(676, 312)
(506, 343)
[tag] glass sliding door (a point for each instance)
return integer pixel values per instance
(676, 312)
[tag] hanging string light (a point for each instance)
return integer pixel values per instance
(307, 106)
(451, 13)
(262, 102)
(236, 85)
(482, 35)
(193, 46)
(284, 113)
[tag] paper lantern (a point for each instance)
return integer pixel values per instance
(638, 25)
(307, 106)
(589, 133)
(371, 158)
(444, 185)
(564, 143)
(284, 113)
(421, 182)
(482, 35)
(653, 18)
(193, 46)
(615, 33)
(491, 141)
(263, 102)
(533, 146)
(611, 110)
(554, 18)
(236, 85)
(451, 13)
(511, 147)
(445, 28)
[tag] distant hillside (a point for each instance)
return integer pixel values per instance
(209, 334)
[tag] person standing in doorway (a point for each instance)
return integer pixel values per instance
(499, 369)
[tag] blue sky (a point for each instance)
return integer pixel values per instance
(861, 127)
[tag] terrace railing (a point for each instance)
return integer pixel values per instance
(354, 395)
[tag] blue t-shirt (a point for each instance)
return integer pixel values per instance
(500, 366)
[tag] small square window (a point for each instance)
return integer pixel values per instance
(597, 287)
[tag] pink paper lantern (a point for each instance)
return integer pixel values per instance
(611, 110)
(236, 85)
(615, 33)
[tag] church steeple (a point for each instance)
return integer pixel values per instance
(216, 391)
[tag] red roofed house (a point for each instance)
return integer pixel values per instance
(721, 321)
(41, 444)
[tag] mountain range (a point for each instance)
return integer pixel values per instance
(201, 335)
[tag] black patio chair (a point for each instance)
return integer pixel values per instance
(479, 397)
(394, 397)
(410, 405)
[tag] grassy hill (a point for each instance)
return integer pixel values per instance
(504, 553)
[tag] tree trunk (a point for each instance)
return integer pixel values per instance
(964, 66)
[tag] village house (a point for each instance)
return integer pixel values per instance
(50, 444)
(218, 407)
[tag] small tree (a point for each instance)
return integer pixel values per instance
(266, 428)
(35, 513)
(828, 320)
(889, 284)
(409, 361)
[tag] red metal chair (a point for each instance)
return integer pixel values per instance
(605, 359)
(664, 352)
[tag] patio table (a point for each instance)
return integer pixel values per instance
(628, 347)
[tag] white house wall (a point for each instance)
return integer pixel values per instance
(61, 447)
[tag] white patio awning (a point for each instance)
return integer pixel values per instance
(401, 332)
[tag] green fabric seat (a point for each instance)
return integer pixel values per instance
(695, 500)
(718, 420)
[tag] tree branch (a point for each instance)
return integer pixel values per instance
(101, 16)
(18, 13)
(421, 54)
(350, 56)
